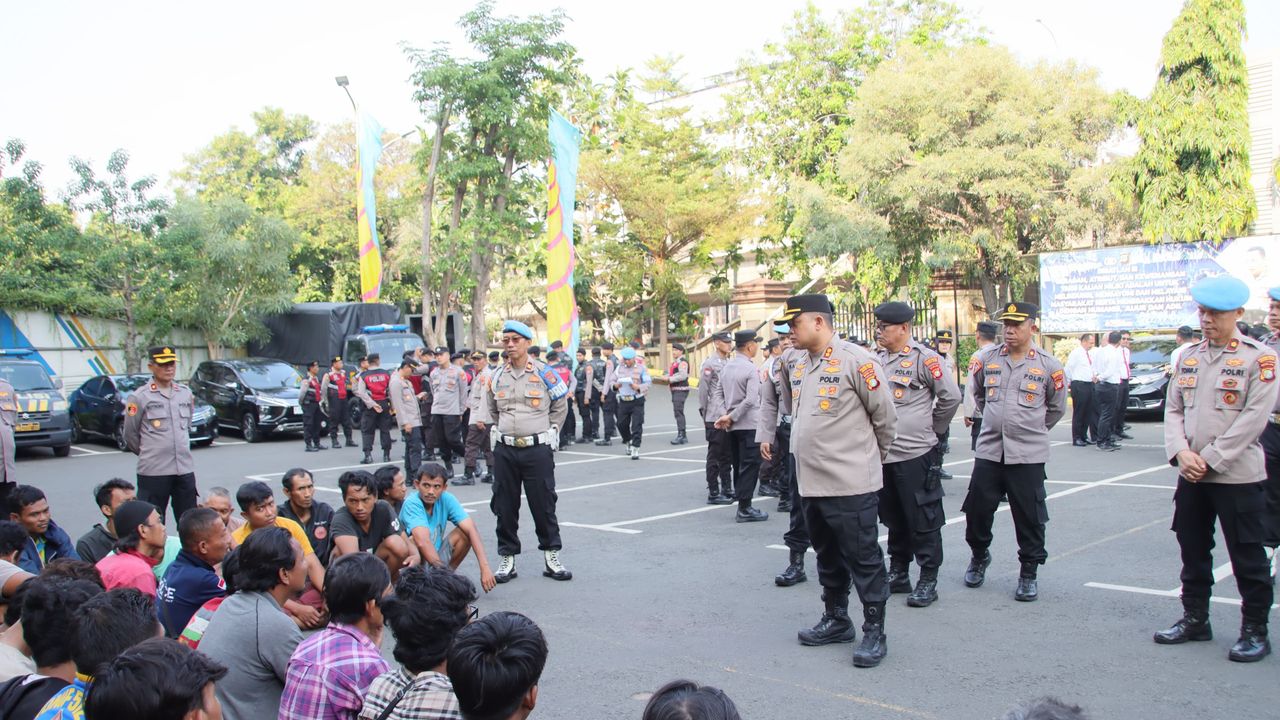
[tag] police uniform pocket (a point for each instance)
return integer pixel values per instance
(1031, 393)
(1042, 504)
(929, 507)
(1250, 513)
(156, 417)
(534, 397)
(1228, 394)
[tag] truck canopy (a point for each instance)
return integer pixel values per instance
(317, 331)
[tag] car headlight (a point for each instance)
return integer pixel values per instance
(201, 415)
(275, 402)
(60, 406)
(1146, 379)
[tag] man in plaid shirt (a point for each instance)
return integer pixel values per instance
(330, 671)
(429, 607)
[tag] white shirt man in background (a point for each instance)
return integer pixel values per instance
(1108, 365)
(1082, 378)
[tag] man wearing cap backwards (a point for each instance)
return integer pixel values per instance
(738, 392)
(678, 382)
(719, 457)
(1217, 406)
(449, 401)
(1271, 441)
(373, 387)
(630, 382)
(157, 428)
(529, 401)
(843, 425)
(985, 337)
(926, 397)
(1023, 395)
(335, 388)
(774, 436)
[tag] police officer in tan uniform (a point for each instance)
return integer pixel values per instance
(926, 397)
(774, 436)
(8, 421)
(477, 441)
(1217, 406)
(408, 415)
(449, 401)
(529, 401)
(844, 423)
(985, 337)
(1023, 395)
(157, 428)
(719, 458)
(738, 391)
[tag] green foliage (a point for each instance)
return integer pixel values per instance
(1191, 173)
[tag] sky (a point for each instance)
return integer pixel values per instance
(161, 80)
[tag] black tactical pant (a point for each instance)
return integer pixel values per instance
(844, 531)
(448, 436)
(584, 412)
(591, 418)
(1241, 510)
(570, 427)
(1024, 484)
(631, 420)
(610, 410)
(412, 453)
(678, 396)
(428, 431)
(159, 489)
(974, 431)
(911, 507)
(339, 416)
(1082, 399)
(719, 461)
(1271, 448)
(380, 422)
(745, 452)
(312, 420)
(478, 443)
(1122, 402)
(1107, 395)
(777, 470)
(533, 469)
(797, 535)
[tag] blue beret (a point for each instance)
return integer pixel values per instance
(1221, 292)
(783, 329)
(518, 328)
(628, 353)
(1274, 293)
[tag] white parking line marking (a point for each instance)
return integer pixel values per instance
(605, 528)
(1160, 593)
(87, 452)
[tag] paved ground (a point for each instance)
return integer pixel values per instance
(667, 587)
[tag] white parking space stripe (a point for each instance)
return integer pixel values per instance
(87, 452)
(1160, 593)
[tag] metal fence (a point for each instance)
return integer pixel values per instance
(861, 324)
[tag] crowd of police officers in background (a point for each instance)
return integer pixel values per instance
(846, 435)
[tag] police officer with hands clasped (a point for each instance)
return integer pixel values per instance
(1218, 404)
(373, 388)
(843, 426)
(926, 398)
(1021, 393)
(529, 400)
(719, 458)
(157, 428)
(738, 393)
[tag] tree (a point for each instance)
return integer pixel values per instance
(676, 201)
(126, 219)
(47, 261)
(1191, 172)
(235, 269)
(963, 154)
(253, 167)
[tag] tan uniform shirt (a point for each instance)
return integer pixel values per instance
(1217, 406)
(711, 368)
(404, 401)
(477, 402)
(969, 404)
(925, 395)
(8, 420)
(844, 421)
(738, 392)
(157, 428)
(521, 402)
(776, 390)
(448, 391)
(636, 373)
(1019, 401)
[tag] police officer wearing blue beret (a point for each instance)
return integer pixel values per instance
(1219, 403)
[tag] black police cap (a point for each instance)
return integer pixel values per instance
(743, 337)
(162, 354)
(945, 335)
(894, 313)
(722, 337)
(988, 328)
(1019, 312)
(798, 304)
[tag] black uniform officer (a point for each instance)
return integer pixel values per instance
(336, 390)
(373, 389)
(310, 400)
(609, 405)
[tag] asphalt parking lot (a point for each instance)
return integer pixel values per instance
(667, 587)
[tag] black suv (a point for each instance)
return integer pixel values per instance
(257, 396)
(1149, 359)
(97, 410)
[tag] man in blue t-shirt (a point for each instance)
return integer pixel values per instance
(426, 515)
(190, 581)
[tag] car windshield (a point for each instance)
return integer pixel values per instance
(270, 376)
(1152, 353)
(129, 383)
(393, 348)
(24, 377)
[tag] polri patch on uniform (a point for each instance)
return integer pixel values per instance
(1036, 371)
(1235, 362)
(132, 409)
(975, 365)
(935, 368)
(1030, 397)
(1230, 398)
(1059, 379)
(1267, 368)
(868, 373)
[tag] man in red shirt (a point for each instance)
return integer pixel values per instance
(139, 549)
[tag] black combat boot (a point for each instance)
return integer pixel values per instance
(769, 490)
(1028, 590)
(386, 456)
(350, 443)
(875, 644)
(679, 439)
(977, 572)
(368, 458)
(1253, 644)
(899, 577)
(334, 444)
(926, 592)
(834, 627)
(794, 572)
(1193, 626)
(309, 447)
(784, 505)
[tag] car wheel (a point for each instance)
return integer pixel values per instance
(118, 436)
(61, 450)
(249, 428)
(77, 432)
